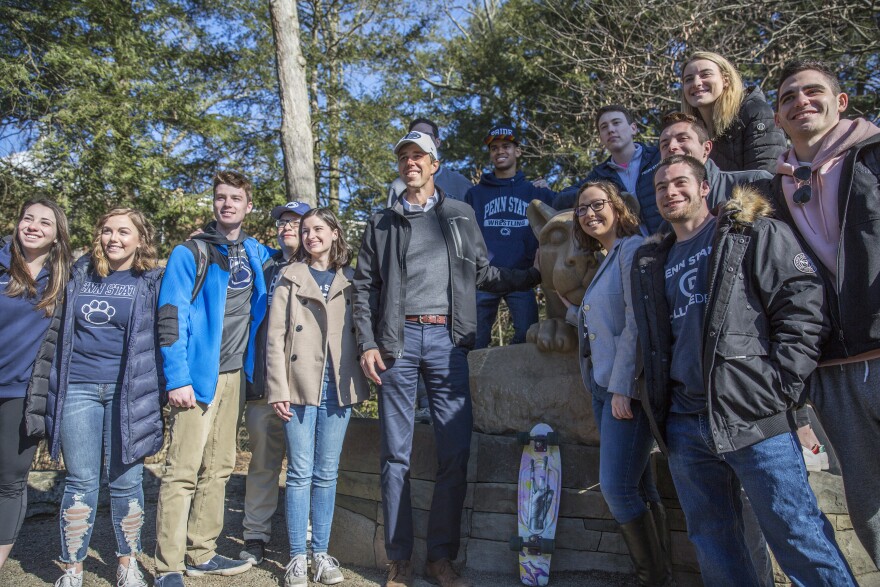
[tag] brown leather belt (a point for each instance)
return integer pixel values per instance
(428, 319)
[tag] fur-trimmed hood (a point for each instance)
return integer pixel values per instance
(746, 205)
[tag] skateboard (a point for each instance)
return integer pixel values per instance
(540, 485)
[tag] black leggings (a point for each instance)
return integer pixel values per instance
(16, 454)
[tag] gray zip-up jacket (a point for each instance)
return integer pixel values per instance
(380, 278)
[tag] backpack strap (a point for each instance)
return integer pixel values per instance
(199, 249)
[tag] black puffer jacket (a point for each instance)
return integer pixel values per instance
(854, 293)
(379, 294)
(763, 326)
(752, 141)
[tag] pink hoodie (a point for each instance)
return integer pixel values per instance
(818, 220)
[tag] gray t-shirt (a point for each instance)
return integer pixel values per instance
(687, 288)
(237, 318)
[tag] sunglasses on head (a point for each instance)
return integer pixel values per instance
(803, 194)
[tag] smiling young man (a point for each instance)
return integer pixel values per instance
(684, 134)
(630, 165)
(415, 309)
(500, 202)
(265, 428)
(827, 188)
(207, 342)
(731, 322)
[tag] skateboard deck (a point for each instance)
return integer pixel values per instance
(540, 485)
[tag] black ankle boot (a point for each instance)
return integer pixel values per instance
(661, 522)
(646, 552)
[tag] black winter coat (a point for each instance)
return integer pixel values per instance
(763, 326)
(379, 293)
(752, 141)
(854, 294)
(142, 395)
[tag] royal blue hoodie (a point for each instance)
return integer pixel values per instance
(500, 207)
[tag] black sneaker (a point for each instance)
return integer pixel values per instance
(254, 551)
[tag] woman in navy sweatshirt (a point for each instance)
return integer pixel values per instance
(34, 265)
(104, 407)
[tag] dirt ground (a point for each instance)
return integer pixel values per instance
(33, 560)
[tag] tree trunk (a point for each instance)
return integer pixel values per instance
(296, 126)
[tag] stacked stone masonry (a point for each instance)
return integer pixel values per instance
(506, 400)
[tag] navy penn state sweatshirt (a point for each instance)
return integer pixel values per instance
(500, 207)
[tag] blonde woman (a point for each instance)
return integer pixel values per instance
(739, 120)
(104, 412)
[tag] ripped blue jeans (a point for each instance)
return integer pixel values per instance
(91, 443)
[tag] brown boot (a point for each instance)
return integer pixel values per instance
(442, 573)
(400, 574)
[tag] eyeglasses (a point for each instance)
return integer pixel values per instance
(294, 223)
(804, 192)
(596, 205)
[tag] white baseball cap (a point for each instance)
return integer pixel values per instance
(423, 141)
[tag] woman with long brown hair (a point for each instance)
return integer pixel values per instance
(608, 338)
(104, 411)
(34, 266)
(311, 317)
(739, 119)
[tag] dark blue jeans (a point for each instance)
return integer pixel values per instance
(523, 313)
(428, 350)
(624, 451)
(774, 477)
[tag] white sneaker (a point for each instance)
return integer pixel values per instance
(70, 578)
(326, 569)
(815, 459)
(130, 576)
(296, 571)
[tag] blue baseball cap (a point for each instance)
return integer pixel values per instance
(501, 133)
(298, 208)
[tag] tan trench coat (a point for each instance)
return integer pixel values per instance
(304, 331)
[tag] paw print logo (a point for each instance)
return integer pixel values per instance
(98, 312)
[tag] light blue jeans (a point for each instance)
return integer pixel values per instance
(314, 438)
(91, 442)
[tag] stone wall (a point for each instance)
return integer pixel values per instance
(586, 539)
(513, 388)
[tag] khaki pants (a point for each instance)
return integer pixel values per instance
(266, 433)
(201, 457)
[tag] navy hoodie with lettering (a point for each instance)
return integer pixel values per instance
(500, 207)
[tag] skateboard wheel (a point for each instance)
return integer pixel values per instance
(523, 438)
(553, 438)
(547, 545)
(516, 543)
